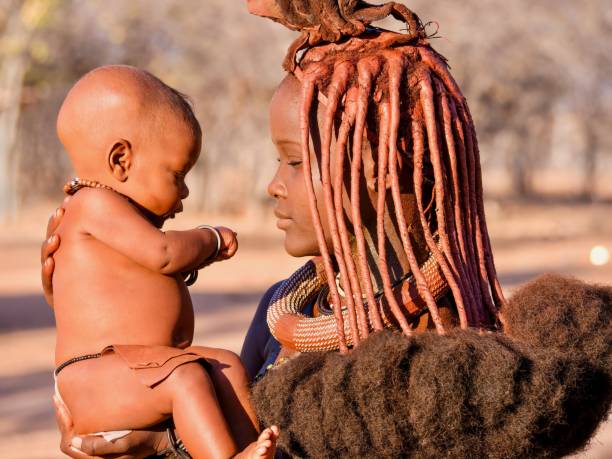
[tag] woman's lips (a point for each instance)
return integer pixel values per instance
(283, 221)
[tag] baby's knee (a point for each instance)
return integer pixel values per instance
(229, 359)
(189, 376)
(218, 358)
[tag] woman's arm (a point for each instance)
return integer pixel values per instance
(253, 353)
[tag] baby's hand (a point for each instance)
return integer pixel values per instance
(229, 243)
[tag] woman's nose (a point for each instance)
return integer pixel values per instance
(276, 188)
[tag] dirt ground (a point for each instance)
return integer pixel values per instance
(528, 239)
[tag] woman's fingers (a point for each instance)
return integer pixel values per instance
(48, 266)
(135, 445)
(47, 279)
(49, 247)
(62, 416)
(54, 220)
(94, 445)
(66, 428)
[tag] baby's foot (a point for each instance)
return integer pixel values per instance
(264, 447)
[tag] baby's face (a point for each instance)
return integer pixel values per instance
(158, 178)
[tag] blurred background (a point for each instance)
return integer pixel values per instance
(536, 75)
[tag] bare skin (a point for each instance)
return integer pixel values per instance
(116, 269)
(294, 219)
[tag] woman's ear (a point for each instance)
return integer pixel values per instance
(120, 159)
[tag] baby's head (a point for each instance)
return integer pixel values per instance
(126, 129)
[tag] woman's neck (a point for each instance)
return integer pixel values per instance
(396, 259)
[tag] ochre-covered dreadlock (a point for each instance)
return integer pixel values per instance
(423, 124)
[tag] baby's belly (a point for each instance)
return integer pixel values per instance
(113, 300)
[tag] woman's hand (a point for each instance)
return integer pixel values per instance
(48, 248)
(136, 445)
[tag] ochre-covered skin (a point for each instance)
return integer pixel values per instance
(119, 279)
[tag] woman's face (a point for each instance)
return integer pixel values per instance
(288, 186)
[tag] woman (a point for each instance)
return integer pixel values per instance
(387, 199)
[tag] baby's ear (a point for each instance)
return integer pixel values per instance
(120, 159)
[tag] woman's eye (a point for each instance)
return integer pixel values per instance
(294, 163)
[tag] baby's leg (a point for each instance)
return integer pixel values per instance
(198, 417)
(103, 394)
(232, 387)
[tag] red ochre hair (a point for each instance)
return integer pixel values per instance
(422, 121)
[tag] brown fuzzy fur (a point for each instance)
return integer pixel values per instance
(538, 394)
(584, 320)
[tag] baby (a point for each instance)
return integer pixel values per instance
(124, 317)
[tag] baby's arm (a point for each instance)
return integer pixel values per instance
(111, 219)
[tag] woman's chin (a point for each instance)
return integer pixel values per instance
(300, 248)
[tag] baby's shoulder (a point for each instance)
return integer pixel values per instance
(98, 201)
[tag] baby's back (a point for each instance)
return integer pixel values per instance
(103, 297)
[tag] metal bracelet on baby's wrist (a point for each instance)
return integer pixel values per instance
(193, 275)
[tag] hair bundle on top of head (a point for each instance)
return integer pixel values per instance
(422, 121)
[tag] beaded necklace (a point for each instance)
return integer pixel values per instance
(319, 334)
(78, 183)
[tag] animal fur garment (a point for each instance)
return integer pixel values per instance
(540, 393)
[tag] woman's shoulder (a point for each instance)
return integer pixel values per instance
(265, 302)
(259, 343)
